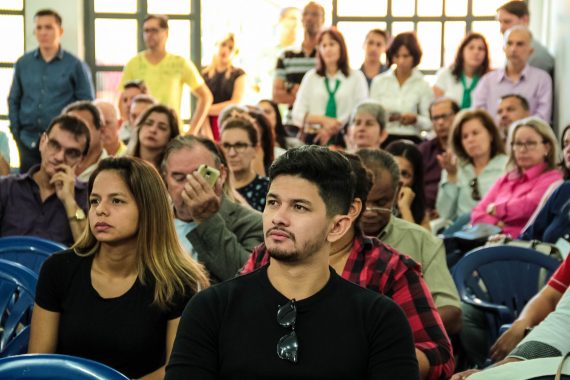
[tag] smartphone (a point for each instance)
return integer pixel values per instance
(210, 174)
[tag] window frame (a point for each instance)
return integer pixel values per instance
(10, 65)
(389, 19)
(89, 21)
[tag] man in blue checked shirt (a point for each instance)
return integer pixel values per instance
(45, 81)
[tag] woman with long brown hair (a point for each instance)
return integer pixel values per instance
(117, 295)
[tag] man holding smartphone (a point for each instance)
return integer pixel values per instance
(216, 230)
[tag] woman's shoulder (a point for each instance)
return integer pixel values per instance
(63, 264)
(65, 258)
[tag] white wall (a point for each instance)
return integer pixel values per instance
(549, 24)
(71, 12)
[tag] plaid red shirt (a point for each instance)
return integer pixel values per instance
(379, 267)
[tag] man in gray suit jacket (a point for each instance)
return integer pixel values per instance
(214, 228)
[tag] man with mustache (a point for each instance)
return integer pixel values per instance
(371, 264)
(296, 318)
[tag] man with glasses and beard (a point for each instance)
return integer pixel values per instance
(48, 201)
(296, 318)
(408, 238)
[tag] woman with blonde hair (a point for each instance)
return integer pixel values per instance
(225, 81)
(117, 295)
(533, 161)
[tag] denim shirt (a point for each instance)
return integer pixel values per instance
(40, 90)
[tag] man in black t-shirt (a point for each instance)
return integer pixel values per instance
(296, 318)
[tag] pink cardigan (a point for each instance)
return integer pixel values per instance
(515, 196)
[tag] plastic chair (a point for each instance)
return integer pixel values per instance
(53, 366)
(500, 280)
(28, 250)
(17, 292)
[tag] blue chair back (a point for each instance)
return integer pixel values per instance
(29, 251)
(17, 293)
(500, 280)
(53, 366)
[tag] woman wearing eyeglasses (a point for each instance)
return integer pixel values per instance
(476, 160)
(514, 197)
(239, 143)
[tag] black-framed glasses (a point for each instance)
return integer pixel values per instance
(474, 184)
(71, 154)
(288, 345)
(239, 147)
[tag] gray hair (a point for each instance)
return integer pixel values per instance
(376, 160)
(372, 108)
(515, 28)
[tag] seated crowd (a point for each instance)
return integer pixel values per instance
(291, 216)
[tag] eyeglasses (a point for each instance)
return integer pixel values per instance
(239, 147)
(443, 116)
(71, 154)
(378, 210)
(288, 345)
(528, 145)
(475, 189)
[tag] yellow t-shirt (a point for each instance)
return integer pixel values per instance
(164, 80)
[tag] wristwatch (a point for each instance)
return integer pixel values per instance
(79, 215)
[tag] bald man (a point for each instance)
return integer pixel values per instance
(110, 128)
(517, 77)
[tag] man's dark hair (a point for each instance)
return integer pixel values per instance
(73, 125)
(410, 41)
(162, 20)
(364, 180)
(85, 105)
(522, 100)
(381, 32)
(49, 12)
(330, 171)
(136, 83)
(517, 8)
(442, 99)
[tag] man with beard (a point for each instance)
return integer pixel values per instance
(296, 318)
(370, 263)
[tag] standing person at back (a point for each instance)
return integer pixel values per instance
(294, 63)
(516, 77)
(225, 81)
(516, 13)
(46, 79)
(166, 74)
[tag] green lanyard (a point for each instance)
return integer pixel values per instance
(466, 101)
(330, 111)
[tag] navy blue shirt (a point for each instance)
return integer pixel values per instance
(40, 90)
(553, 220)
(255, 192)
(22, 211)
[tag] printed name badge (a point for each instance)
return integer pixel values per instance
(563, 246)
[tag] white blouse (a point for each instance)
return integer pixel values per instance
(452, 88)
(414, 96)
(312, 96)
